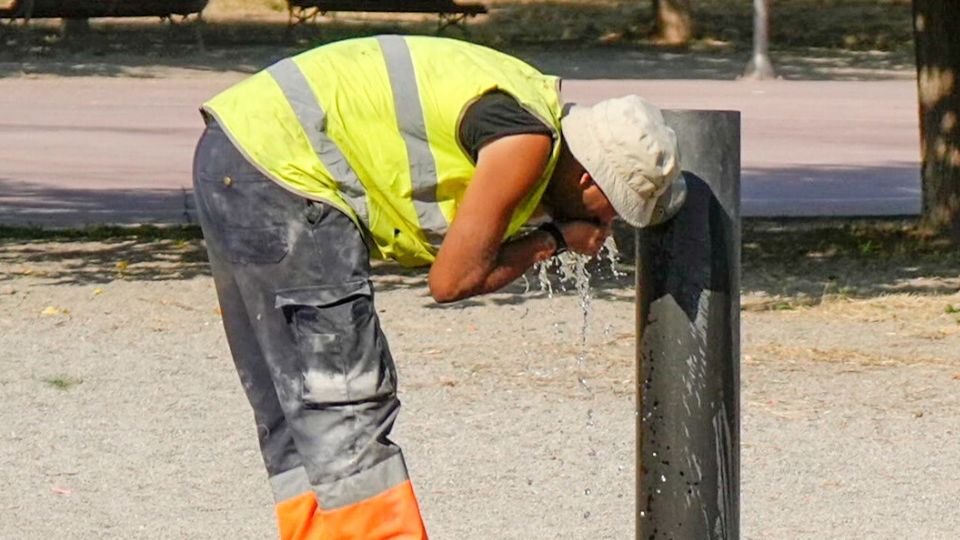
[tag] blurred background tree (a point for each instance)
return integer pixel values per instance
(936, 25)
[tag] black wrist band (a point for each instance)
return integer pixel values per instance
(554, 231)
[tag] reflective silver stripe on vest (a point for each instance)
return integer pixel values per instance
(314, 123)
(413, 129)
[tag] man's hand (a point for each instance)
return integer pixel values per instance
(584, 237)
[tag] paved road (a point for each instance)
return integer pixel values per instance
(118, 150)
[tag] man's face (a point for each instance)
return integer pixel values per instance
(596, 203)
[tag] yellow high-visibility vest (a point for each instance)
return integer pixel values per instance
(371, 125)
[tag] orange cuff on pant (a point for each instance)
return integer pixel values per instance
(390, 515)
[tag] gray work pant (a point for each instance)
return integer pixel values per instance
(293, 280)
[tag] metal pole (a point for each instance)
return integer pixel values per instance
(688, 343)
(760, 66)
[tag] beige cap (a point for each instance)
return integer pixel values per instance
(631, 154)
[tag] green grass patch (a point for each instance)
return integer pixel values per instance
(846, 259)
(178, 233)
(62, 382)
(824, 240)
(883, 25)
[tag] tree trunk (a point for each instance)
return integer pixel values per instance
(936, 25)
(673, 21)
(74, 27)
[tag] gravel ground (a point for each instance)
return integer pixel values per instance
(122, 416)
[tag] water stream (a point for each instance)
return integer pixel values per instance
(572, 271)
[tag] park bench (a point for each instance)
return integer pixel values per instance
(76, 14)
(89, 9)
(449, 11)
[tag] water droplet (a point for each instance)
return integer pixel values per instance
(612, 254)
(587, 491)
(663, 478)
(543, 277)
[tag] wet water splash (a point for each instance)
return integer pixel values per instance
(612, 254)
(543, 277)
(572, 271)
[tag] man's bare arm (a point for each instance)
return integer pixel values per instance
(473, 258)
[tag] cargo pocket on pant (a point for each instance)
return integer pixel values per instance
(344, 358)
(255, 245)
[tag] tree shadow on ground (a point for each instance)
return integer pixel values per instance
(592, 39)
(786, 263)
(101, 254)
(805, 262)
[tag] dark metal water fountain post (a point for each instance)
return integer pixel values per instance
(688, 344)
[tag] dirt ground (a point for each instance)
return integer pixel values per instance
(122, 416)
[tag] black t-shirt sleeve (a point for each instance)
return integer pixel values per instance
(496, 115)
